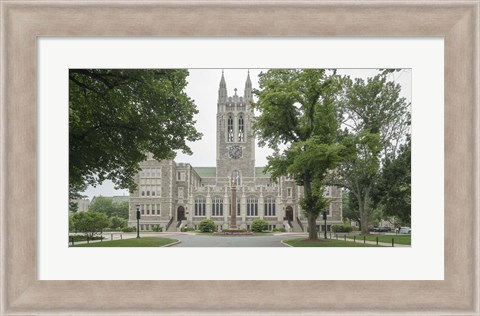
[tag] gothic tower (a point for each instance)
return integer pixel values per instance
(235, 140)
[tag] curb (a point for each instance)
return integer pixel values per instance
(285, 244)
(173, 243)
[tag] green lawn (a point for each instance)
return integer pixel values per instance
(253, 234)
(132, 242)
(398, 239)
(300, 242)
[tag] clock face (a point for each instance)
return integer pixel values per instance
(235, 152)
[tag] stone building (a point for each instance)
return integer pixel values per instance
(173, 195)
(82, 204)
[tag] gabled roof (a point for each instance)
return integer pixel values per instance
(206, 171)
(259, 173)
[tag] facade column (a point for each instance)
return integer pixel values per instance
(261, 204)
(243, 205)
(208, 211)
(279, 209)
(233, 215)
(190, 210)
(226, 206)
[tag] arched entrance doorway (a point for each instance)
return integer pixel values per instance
(181, 213)
(289, 213)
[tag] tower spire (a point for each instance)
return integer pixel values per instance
(222, 90)
(248, 89)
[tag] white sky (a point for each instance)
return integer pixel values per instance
(203, 89)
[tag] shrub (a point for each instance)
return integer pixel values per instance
(90, 222)
(157, 228)
(259, 225)
(117, 222)
(129, 229)
(344, 228)
(187, 229)
(206, 226)
(281, 229)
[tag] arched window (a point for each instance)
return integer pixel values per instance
(200, 206)
(241, 129)
(269, 206)
(217, 206)
(236, 177)
(252, 206)
(230, 129)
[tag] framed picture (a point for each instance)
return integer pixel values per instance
(38, 282)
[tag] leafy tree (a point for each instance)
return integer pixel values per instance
(259, 225)
(74, 195)
(298, 110)
(106, 205)
(117, 116)
(350, 207)
(394, 191)
(117, 222)
(207, 226)
(377, 121)
(71, 223)
(90, 223)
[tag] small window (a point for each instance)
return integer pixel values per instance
(230, 129)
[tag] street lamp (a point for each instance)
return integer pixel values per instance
(138, 220)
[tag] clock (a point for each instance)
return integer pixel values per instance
(235, 152)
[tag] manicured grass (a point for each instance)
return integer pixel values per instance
(398, 239)
(302, 242)
(253, 234)
(132, 242)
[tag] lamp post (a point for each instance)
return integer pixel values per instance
(138, 220)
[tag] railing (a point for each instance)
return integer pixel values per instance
(286, 219)
(300, 223)
(179, 223)
(169, 223)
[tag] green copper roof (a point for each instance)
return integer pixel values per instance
(259, 173)
(211, 172)
(206, 171)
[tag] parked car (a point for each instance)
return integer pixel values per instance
(405, 230)
(384, 229)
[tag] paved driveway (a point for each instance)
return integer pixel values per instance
(188, 240)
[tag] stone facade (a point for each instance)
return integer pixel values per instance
(82, 204)
(173, 195)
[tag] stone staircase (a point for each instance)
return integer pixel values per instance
(297, 226)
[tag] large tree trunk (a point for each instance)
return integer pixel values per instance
(363, 218)
(312, 226)
(311, 216)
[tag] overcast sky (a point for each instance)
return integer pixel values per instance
(203, 89)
